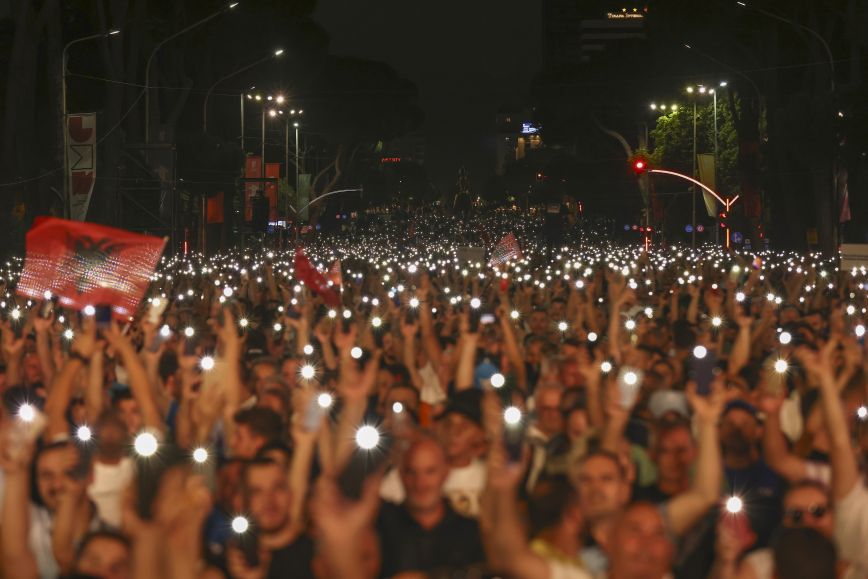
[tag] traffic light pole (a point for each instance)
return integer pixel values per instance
(693, 196)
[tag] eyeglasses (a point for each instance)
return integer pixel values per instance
(797, 515)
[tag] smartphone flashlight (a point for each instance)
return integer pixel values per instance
(734, 505)
(367, 437)
(146, 444)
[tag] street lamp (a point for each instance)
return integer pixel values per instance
(67, 208)
(154, 53)
(293, 114)
(275, 54)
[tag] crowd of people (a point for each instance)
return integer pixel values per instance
(573, 412)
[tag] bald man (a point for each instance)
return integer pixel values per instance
(424, 533)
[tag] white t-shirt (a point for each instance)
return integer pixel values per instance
(432, 393)
(851, 529)
(107, 489)
(463, 488)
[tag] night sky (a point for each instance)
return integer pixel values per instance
(467, 57)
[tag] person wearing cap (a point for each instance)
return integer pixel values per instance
(741, 431)
(459, 430)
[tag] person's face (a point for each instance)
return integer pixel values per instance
(423, 472)
(131, 415)
(112, 440)
(641, 548)
(550, 420)
(603, 490)
(739, 431)
(460, 436)
(538, 322)
(289, 371)
(534, 352)
(571, 374)
(268, 497)
(558, 309)
(244, 443)
(808, 507)
(261, 372)
(32, 369)
(675, 454)
(105, 558)
(577, 424)
(274, 402)
(51, 475)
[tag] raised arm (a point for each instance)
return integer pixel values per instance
(43, 329)
(17, 559)
(466, 356)
(83, 347)
(138, 377)
(686, 509)
(775, 449)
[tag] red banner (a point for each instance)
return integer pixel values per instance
(305, 272)
(252, 170)
(214, 209)
(80, 162)
(272, 170)
(87, 264)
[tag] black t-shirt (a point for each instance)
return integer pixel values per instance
(292, 560)
(651, 493)
(454, 543)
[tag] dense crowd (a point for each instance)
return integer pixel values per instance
(577, 411)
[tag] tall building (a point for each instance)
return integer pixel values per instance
(576, 31)
(517, 135)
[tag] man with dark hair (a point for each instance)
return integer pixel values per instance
(103, 554)
(673, 450)
(254, 428)
(284, 550)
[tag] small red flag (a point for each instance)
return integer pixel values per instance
(87, 264)
(307, 273)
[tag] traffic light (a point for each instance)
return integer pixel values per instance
(640, 165)
(721, 218)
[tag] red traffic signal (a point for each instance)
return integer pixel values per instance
(721, 217)
(640, 166)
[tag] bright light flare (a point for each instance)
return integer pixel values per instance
(367, 437)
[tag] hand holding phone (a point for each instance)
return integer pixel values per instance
(702, 368)
(629, 383)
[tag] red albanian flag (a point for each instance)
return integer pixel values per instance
(307, 273)
(87, 264)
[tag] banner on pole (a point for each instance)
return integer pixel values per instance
(81, 162)
(705, 161)
(303, 196)
(252, 170)
(272, 170)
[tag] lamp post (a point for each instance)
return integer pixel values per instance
(154, 53)
(67, 207)
(275, 54)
